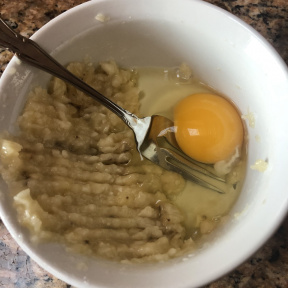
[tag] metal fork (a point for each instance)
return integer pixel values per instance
(154, 135)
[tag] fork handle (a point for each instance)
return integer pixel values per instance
(30, 52)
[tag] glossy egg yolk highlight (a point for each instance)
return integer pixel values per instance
(208, 127)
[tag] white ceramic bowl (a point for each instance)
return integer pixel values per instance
(228, 55)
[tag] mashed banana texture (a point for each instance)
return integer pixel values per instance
(77, 178)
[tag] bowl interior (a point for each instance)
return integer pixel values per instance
(226, 54)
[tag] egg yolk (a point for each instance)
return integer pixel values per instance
(208, 127)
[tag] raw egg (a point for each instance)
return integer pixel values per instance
(208, 127)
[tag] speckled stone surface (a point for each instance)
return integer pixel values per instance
(269, 266)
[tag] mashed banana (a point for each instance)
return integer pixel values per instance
(77, 178)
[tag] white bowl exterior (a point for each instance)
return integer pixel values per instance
(224, 52)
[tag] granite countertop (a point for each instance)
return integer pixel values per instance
(269, 266)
